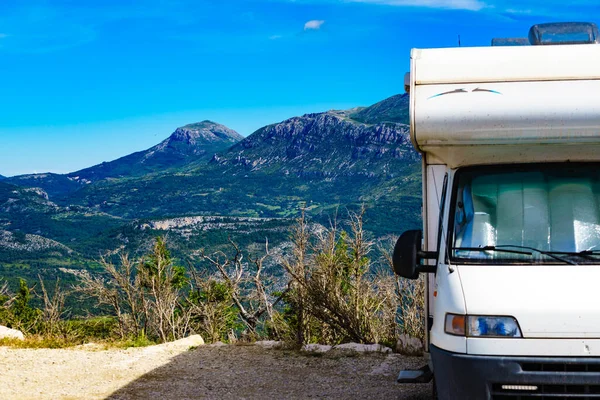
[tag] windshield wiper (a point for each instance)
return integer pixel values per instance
(503, 248)
(579, 253)
(583, 253)
(492, 248)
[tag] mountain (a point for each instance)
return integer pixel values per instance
(392, 109)
(326, 160)
(206, 184)
(194, 142)
(2, 177)
(324, 145)
(189, 143)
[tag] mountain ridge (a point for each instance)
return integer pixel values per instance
(318, 142)
(187, 143)
(326, 163)
(392, 109)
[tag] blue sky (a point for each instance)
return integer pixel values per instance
(87, 81)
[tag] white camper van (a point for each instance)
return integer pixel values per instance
(510, 247)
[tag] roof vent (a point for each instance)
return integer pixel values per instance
(564, 33)
(510, 42)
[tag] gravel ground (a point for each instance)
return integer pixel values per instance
(205, 372)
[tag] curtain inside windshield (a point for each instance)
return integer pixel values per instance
(549, 208)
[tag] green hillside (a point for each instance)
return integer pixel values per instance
(393, 109)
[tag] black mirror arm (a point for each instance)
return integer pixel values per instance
(424, 269)
(427, 255)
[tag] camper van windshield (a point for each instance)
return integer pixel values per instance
(537, 213)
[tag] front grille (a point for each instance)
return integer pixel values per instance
(560, 367)
(545, 391)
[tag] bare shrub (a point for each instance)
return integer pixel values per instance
(146, 297)
(253, 294)
(336, 296)
(121, 291)
(213, 311)
(53, 311)
(163, 301)
(296, 318)
(410, 297)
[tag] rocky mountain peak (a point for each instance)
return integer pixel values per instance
(205, 132)
(325, 145)
(328, 127)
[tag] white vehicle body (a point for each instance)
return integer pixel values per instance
(498, 113)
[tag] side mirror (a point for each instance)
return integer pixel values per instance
(408, 255)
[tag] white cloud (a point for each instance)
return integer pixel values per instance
(473, 5)
(518, 11)
(313, 25)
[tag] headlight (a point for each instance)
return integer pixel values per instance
(482, 326)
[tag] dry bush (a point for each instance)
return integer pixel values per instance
(213, 311)
(296, 320)
(155, 298)
(410, 297)
(121, 291)
(53, 311)
(163, 281)
(253, 294)
(146, 297)
(335, 294)
(46, 326)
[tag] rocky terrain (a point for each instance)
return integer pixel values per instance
(30, 243)
(176, 371)
(324, 146)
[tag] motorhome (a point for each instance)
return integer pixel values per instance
(510, 246)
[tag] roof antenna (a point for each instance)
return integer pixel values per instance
(458, 40)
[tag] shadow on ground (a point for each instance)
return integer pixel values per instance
(251, 372)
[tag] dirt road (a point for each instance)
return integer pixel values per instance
(205, 372)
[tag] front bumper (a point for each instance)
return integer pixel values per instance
(463, 376)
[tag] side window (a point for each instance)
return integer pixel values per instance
(441, 217)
